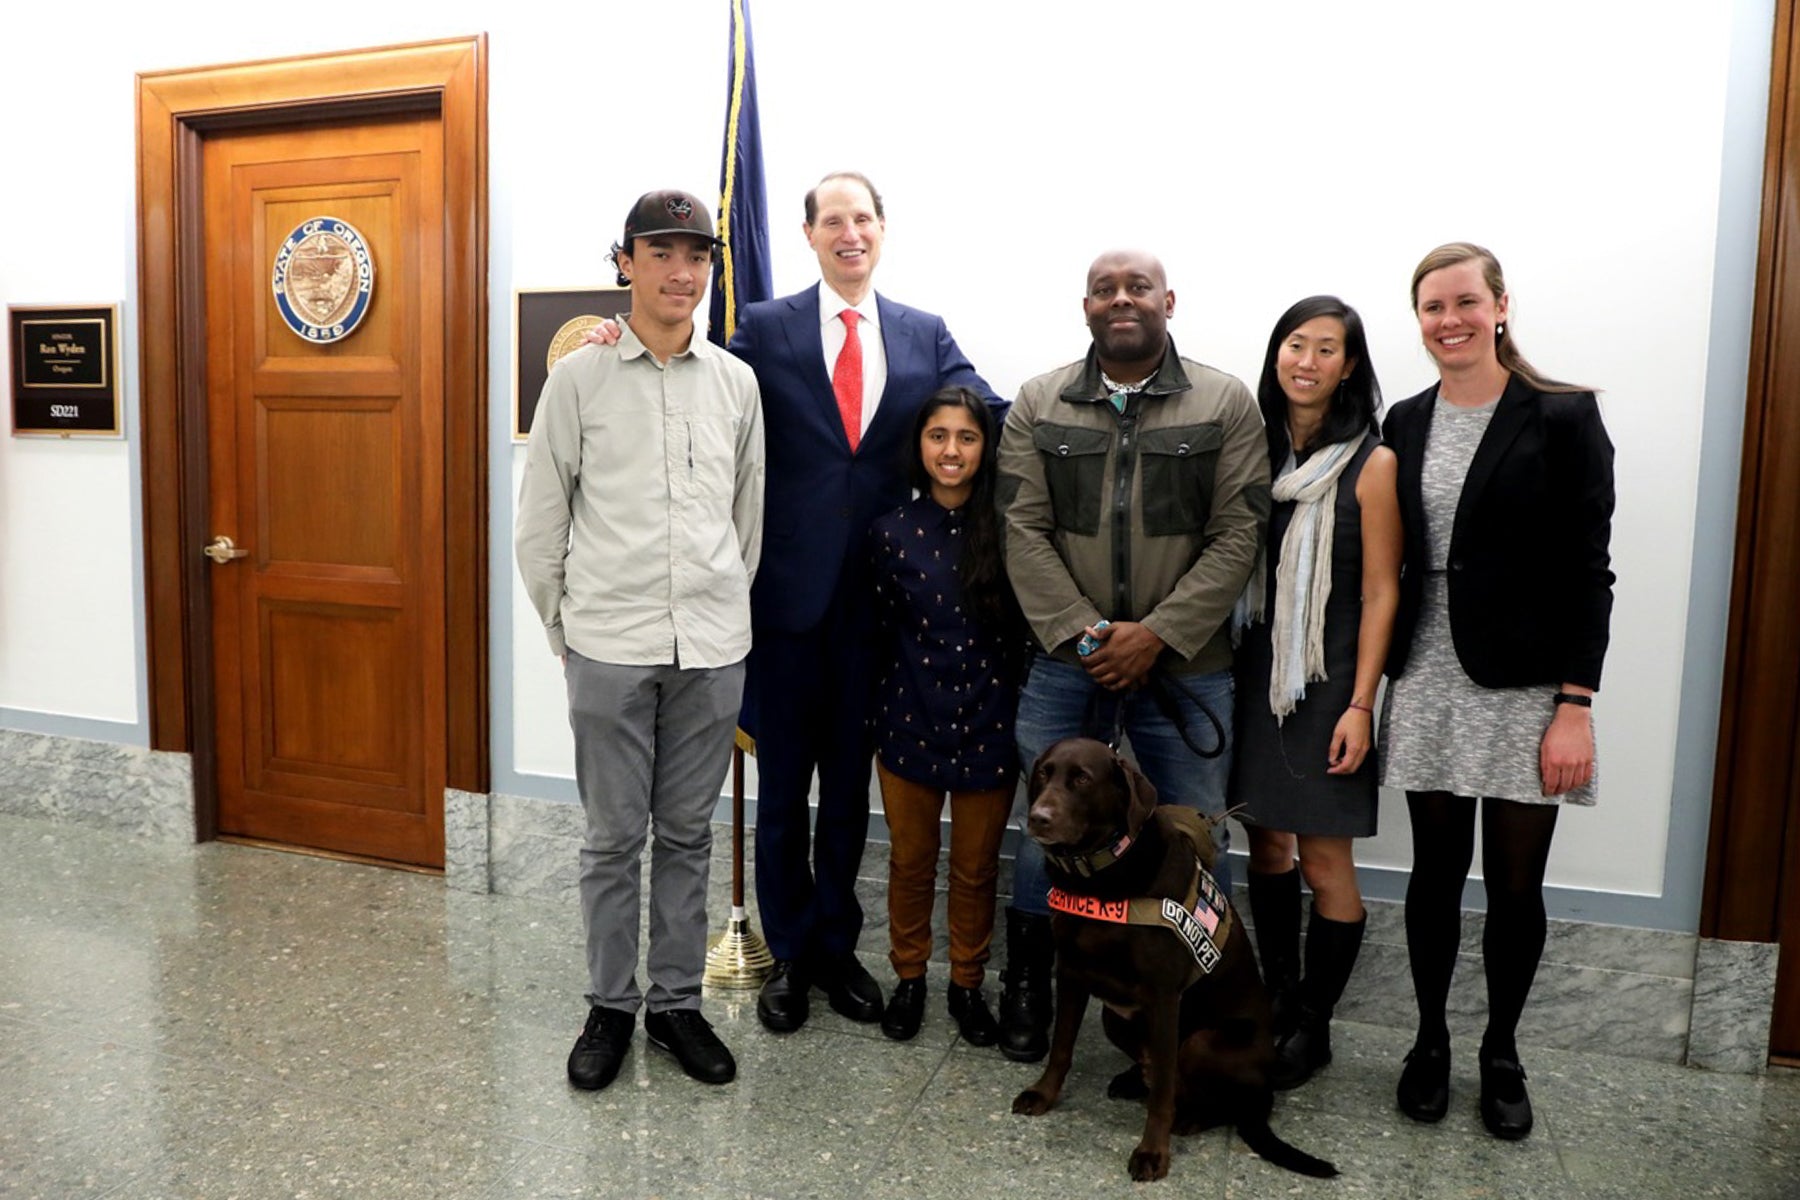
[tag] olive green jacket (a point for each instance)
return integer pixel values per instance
(1155, 515)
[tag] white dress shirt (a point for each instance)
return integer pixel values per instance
(874, 362)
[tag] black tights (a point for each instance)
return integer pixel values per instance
(1515, 846)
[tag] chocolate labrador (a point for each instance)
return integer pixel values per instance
(1140, 924)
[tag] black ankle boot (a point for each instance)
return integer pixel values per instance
(1025, 998)
(1331, 950)
(1275, 907)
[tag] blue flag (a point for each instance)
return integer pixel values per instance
(742, 276)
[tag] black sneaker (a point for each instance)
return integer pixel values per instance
(600, 1050)
(687, 1035)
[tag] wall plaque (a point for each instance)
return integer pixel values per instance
(65, 373)
(549, 324)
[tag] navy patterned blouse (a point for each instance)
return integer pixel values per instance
(948, 689)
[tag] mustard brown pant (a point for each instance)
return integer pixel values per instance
(977, 821)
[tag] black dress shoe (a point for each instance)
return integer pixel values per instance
(687, 1035)
(1505, 1107)
(973, 1020)
(782, 1003)
(905, 1010)
(852, 991)
(1424, 1091)
(600, 1050)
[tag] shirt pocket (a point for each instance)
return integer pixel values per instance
(1178, 465)
(1074, 469)
(706, 457)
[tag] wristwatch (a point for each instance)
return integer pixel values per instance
(1575, 698)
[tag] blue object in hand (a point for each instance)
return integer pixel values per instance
(1089, 643)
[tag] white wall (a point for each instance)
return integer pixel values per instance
(1265, 152)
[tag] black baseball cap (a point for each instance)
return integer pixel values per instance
(669, 211)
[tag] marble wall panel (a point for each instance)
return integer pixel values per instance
(103, 785)
(1734, 1000)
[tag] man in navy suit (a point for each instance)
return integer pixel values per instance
(842, 372)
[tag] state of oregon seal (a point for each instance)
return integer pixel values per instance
(324, 278)
(571, 336)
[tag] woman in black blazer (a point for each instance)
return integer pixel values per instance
(1506, 495)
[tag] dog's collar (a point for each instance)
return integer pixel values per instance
(1202, 920)
(1094, 861)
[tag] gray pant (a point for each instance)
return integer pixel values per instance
(651, 748)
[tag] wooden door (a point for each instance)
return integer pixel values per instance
(325, 465)
(1753, 855)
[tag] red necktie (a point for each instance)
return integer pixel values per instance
(846, 378)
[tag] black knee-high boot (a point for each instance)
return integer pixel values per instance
(1275, 907)
(1331, 950)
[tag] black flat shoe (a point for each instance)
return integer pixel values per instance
(782, 1003)
(1505, 1106)
(973, 1020)
(852, 991)
(905, 1010)
(1424, 1091)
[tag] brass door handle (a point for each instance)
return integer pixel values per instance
(222, 550)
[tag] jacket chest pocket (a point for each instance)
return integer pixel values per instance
(1178, 465)
(1074, 471)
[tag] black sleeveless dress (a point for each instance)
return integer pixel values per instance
(1278, 771)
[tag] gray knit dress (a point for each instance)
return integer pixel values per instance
(1440, 730)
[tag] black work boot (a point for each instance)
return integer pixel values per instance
(1331, 950)
(1275, 907)
(1025, 998)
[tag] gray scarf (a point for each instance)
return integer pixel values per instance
(1302, 577)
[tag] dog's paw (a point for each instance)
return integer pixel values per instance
(1147, 1164)
(1128, 1085)
(1032, 1103)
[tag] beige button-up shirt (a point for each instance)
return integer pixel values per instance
(640, 513)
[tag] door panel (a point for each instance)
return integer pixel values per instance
(326, 467)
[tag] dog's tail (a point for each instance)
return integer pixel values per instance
(1259, 1137)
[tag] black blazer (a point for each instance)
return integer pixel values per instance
(1529, 568)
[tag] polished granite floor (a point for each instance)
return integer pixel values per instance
(219, 1021)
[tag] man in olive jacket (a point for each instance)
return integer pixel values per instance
(1135, 486)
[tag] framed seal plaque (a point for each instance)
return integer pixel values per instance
(324, 278)
(548, 324)
(65, 376)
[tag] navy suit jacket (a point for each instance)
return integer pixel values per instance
(820, 498)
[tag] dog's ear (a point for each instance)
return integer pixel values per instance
(1140, 791)
(1031, 776)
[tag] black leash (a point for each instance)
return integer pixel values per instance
(1107, 727)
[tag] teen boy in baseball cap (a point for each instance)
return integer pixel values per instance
(639, 530)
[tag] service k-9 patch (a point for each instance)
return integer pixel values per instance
(324, 279)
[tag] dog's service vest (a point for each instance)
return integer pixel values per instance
(1203, 922)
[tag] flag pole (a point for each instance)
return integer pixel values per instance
(738, 957)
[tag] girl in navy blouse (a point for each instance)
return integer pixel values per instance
(949, 667)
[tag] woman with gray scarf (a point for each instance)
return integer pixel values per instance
(1315, 619)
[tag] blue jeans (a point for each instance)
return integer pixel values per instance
(1052, 706)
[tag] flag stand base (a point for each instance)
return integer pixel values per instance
(737, 958)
